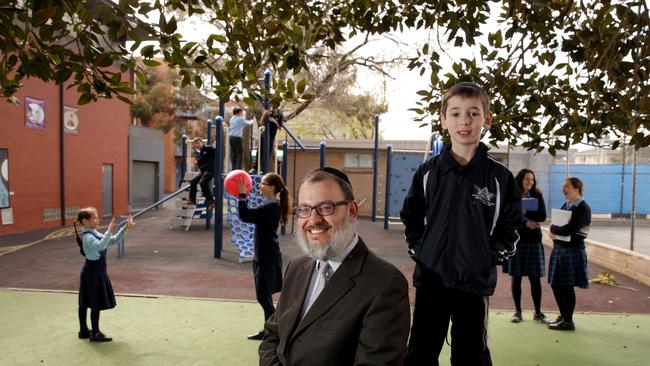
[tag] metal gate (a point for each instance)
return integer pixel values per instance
(145, 184)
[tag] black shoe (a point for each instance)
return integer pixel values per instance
(557, 320)
(257, 336)
(562, 325)
(516, 318)
(99, 337)
(540, 317)
(84, 334)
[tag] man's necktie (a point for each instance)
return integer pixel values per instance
(321, 279)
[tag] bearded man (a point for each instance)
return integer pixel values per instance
(340, 304)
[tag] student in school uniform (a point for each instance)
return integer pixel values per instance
(528, 261)
(95, 289)
(567, 267)
(267, 259)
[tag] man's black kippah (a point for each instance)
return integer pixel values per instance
(337, 173)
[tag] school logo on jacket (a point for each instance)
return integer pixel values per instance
(483, 195)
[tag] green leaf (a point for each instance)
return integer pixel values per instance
(43, 15)
(300, 87)
(151, 63)
(85, 98)
(125, 100)
(290, 86)
(125, 89)
(250, 101)
(171, 26)
(219, 38)
(141, 76)
(103, 60)
(147, 51)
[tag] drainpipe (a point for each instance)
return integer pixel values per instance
(62, 152)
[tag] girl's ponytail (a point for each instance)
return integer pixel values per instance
(84, 214)
(78, 239)
(284, 205)
(285, 201)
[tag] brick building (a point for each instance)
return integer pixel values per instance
(58, 162)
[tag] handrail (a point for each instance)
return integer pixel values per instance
(294, 138)
(120, 245)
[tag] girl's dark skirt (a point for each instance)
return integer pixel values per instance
(528, 261)
(95, 290)
(568, 266)
(268, 276)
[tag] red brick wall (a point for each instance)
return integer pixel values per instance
(34, 156)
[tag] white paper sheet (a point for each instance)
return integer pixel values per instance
(560, 218)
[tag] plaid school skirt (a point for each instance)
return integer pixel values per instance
(568, 267)
(528, 261)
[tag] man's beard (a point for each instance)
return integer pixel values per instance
(334, 248)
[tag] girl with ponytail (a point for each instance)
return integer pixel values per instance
(95, 289)
(267, 261)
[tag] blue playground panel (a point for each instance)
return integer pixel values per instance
(603, 186)
(243, 234)
(403, 168)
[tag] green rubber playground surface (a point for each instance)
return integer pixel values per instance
(40, 328)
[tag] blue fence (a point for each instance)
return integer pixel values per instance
(608, 187)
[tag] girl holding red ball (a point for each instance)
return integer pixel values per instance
(267, 260)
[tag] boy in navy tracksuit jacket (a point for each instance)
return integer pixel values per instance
(461, 217)
(204, 155)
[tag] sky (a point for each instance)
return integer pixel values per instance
(402, 86)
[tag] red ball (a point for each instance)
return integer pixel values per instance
(232, 180)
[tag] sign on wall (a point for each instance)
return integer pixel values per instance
(71, 120)
(4, 178)
(34, 113)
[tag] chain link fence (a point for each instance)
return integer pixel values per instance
(617, 184)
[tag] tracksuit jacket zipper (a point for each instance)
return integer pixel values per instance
(451, 251)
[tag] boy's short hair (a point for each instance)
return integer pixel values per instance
(197, 139)
(466, 89)
(236, 110)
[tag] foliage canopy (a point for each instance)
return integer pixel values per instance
(559, 71)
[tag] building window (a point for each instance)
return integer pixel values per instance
(358, 160)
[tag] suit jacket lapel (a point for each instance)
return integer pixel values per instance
(340, 283)
(303, 270)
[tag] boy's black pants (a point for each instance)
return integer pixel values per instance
(435, 306)
(202, 179)
(236, 152)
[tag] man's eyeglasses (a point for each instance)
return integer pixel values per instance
(323, 208)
